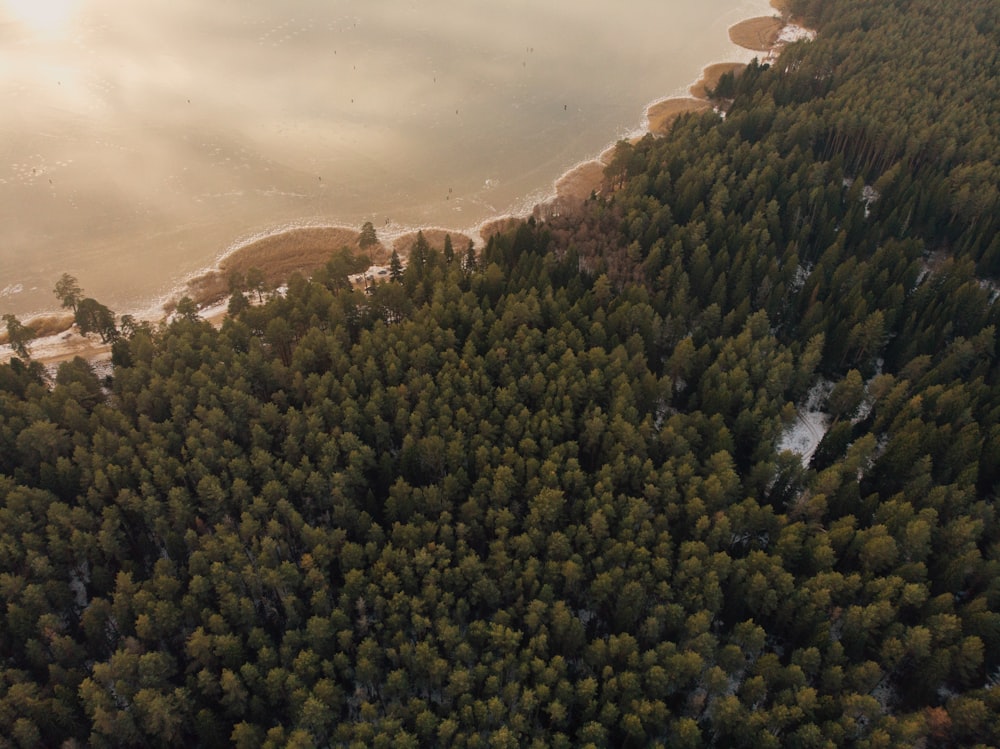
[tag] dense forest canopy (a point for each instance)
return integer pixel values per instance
(534, 496)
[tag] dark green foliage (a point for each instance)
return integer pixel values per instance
(367, 239)
(93, 317)
(19, 336)
(395, 267)
(449, 250)
(68, 291)
(534, 497)
(187, 309)
(254, 281)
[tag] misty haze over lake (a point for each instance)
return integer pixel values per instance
(140, 140)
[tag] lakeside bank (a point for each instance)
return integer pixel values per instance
(305, 248)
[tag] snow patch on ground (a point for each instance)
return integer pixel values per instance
(811, 423)
(789, 34)
(802, 273)
(794, 33)
(869, 194)
(53, 349)
(374, 273)
(213, 311)
(992, 288)
(78, 584)
(867, 404)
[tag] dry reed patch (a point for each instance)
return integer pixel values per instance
(759, 34)
(46, 325)
(435, 239)
(662, 114)
(279, 257)
(298, 250)
(43, 325)
(580, 181)
(86, 348)
(205, 289)
(711, 76)
(498, 226)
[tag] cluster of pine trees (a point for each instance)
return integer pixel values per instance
(534, 497)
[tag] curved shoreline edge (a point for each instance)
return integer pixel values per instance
(768, 34)
(306, 246)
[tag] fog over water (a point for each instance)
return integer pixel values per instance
(140, 140)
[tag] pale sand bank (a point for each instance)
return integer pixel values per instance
(52, 350)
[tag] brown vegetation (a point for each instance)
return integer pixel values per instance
(205, 289)
(760, 34)
(44, 325)
(579, 182)
(662, 114)
(279, 256)
(498, 226)
(710, 77)
(434, 237)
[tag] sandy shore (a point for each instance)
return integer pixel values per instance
(306, 249)
(762, 34)
(586, 178)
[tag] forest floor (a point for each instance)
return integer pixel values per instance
(803, 436)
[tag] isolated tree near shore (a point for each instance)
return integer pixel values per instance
(368, 236)
(128, 325)
(255, 281)
(19, 336)
(68, 291)
(187, 309)
(93, 317)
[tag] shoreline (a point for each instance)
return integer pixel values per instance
(305, 248)
(586, 177)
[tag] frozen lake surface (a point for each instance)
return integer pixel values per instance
(140, 140)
